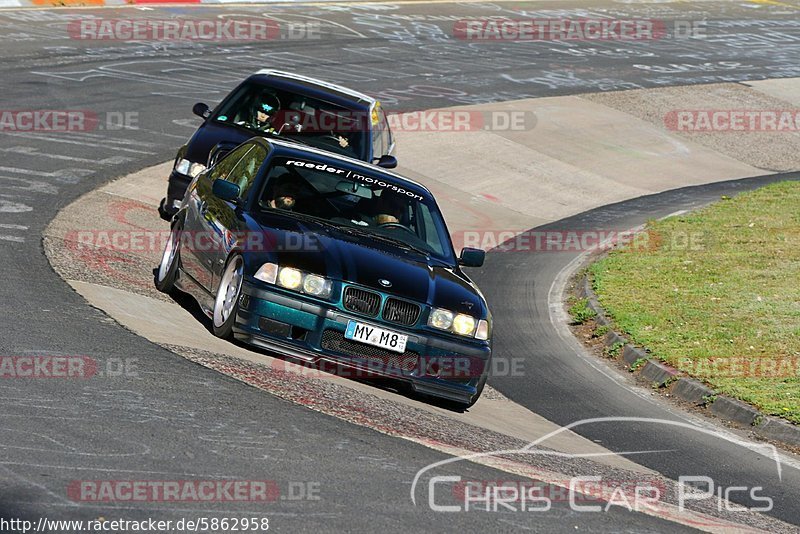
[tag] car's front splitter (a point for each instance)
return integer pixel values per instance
(312, 332)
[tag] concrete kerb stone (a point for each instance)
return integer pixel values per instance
(684, 388)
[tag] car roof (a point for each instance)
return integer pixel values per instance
(319, 88)
(297, 150)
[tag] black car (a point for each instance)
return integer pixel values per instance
(279, 104)
(325, 258)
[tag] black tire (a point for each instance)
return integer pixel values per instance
(167, 270)
(226, 303)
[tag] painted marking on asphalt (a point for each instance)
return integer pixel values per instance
(13, 227)
(30, 186)
(32, 151)
(107, 139)
(6, 206)
(69, 175)
(12, 238)
(674, 214)
(73, 142)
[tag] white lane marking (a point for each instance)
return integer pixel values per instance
(31, 186)
(13, 226)
(674, 214)
(31, 151)
(70, 175)
(12, 238)
(73, 142)
(6, 206)
(108, 139)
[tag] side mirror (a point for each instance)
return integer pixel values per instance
(472, 257)
(387, 162)
(201, 110)
(225, 190)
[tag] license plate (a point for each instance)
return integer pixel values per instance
(378, 337)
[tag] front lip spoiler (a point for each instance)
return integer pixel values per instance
(457, 393)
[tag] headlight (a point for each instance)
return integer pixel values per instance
(195, 169)
(295, 279)
(290, 278)
(317, 286)
(184, 166)
(441, 319)
(461, 324)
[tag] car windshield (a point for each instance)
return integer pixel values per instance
(267, 110)
(364, 205)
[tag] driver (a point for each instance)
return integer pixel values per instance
(389, 210)
(265, 108)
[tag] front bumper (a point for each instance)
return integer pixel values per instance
(176, 189)
(311, 332)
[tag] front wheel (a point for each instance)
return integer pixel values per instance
(170, 259)
(227, 302)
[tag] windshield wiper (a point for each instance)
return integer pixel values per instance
(386, 239)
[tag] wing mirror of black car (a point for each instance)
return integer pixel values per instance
(225, 190)
(387, 162)
(472, 257)
(354, 188)
(201, 110)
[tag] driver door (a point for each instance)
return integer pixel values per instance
(198, 257)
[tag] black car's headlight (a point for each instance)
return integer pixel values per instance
(459, 323)
(295, 279)
(187, 168)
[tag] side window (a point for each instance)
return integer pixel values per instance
(245, 172)
(224, 167)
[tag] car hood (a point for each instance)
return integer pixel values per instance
(210, 134)
(360, 260)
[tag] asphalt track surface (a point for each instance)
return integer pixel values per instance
(181, 421)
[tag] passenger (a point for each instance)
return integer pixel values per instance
(284, 195)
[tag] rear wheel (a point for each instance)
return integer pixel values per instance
(227, 302)
(170, 259)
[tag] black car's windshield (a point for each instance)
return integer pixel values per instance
(268, 110)
(364, 205)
